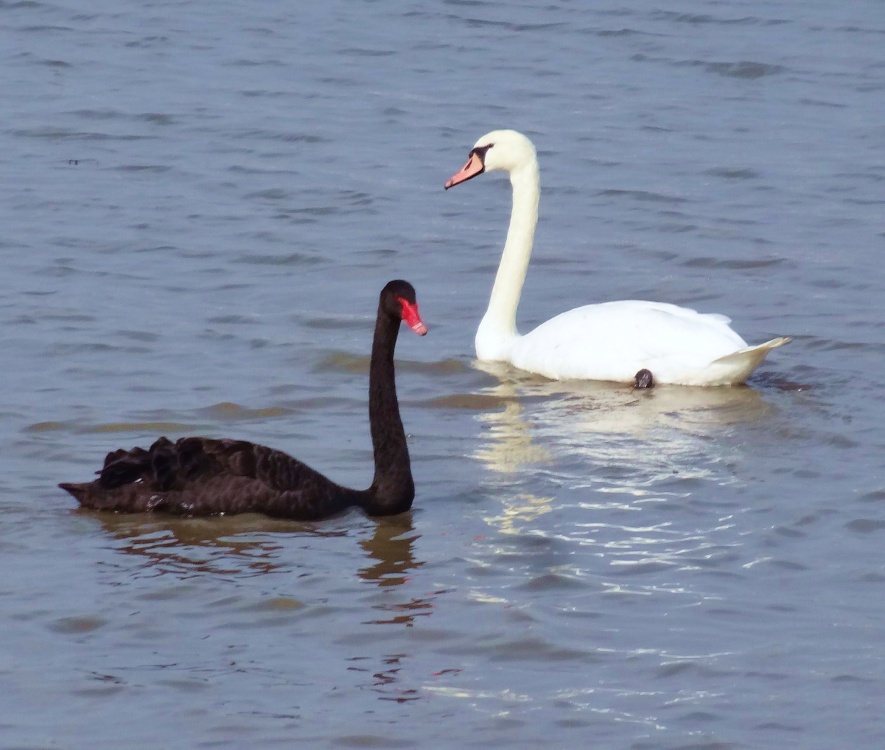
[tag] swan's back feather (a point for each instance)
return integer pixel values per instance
(199, 476)
(614, 340)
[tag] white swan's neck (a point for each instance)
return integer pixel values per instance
(497, 331)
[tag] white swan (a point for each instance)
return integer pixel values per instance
(630, 341)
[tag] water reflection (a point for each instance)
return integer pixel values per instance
(187, 547)
(247, 545)
(538, 421)
(385, 679)
(627, 446)
(391, 546)
(253, 545)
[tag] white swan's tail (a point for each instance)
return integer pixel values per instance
(735, 368)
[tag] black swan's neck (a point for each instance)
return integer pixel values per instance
(392, 489)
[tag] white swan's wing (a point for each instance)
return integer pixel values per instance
(614, 340)
(739, 366)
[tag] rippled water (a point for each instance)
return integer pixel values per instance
(200, 204)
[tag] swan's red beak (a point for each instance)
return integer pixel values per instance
(412, 317)
(473, 167)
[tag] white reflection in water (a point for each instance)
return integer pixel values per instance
(614, 450)
(650, 431)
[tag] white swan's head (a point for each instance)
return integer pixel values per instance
(501, 149)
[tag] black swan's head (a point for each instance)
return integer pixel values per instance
(398, 301)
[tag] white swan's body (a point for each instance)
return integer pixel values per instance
(608, 341)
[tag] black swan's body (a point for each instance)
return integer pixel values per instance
(197, 476)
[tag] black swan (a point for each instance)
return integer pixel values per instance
(198, 476)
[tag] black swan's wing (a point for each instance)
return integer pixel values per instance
(167, 466)
(204, 476)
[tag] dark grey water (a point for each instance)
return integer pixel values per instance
(200, 203)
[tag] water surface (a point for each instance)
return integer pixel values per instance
(199, 208)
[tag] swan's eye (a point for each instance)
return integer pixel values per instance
(481, 151)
